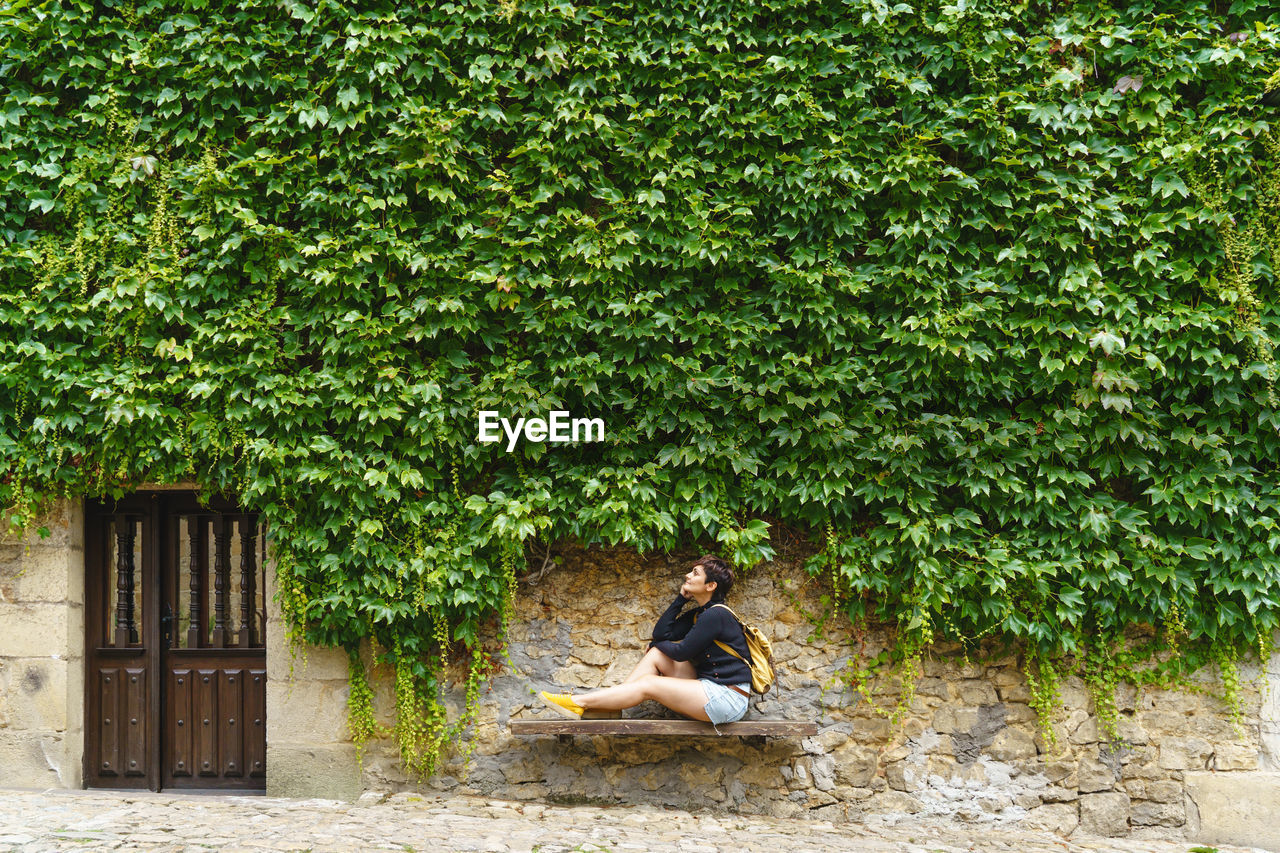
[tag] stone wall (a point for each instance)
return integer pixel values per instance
(968, 748)
(309, 751)
(42, 653)
(1240, 808)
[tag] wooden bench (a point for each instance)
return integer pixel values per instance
(681, 728)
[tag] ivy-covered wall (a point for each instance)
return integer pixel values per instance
(981, 295)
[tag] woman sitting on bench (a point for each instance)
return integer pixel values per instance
(686, 668)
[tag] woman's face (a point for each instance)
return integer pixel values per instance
(695, 583)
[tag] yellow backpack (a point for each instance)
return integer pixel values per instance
(760, 650)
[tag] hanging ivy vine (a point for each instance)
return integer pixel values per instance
(983, 294)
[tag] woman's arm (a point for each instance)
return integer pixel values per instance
(670, 626)
(703, 633)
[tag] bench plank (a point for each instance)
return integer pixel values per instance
(768, 728)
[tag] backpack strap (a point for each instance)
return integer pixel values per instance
(728, 648)
(730, 609)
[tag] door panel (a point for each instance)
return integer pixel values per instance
(206, 723)
(109, 698)
(174, 587)
(179, 705)
(134, 722)
(255, 715)
(120, 581)
(122, 743)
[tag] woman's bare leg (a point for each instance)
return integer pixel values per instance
(682, 695)
(655, 662)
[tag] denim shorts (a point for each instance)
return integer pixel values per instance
(724, 705)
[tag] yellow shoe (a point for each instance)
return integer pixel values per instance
(563, 703)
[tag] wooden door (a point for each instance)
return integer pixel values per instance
(176, 659)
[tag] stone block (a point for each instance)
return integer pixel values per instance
(73, 649)
(1094, 776)
(1105, 814)
(307, 663)
(328, 772)
(1059, 794)
(936, 688)
(1166, 791)
(823, 768)
(892, 802)
(10, 571)
(593, 655)
(943, 769)
(915, 728)
(1126, 696)
(1234, 756)
(799, 777)
(871, 730)
(788, 616)
(784, 810)
(64, 521)
(967, 746)
(71, 773)
(700, 777)
(975, 693)
(34, 760)
(1085, 731)
(1012, 744)
(1148, 771)
(1005, 676)
(856, 765)
(1131, 731)
(1269, 746)
(382, 768)
(36, 630)
(615, 673)
(813, 800)
(1184, 753)
(578, 676)
(808, 665)
(75, 692)
(828, 739)
(1061, 771)
(1027, 801)
(307, 712)
(1014, 693)
(904, 776)
(1073, 695)
(1022, 715)
(1164, 723)
(1230, 808)
(523, 768)
(1158, 814)
(34, 692)
(1059, 818)
(982, 774)
(949, 719)
(786, 651)
(43, 573)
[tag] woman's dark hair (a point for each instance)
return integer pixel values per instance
(717, 572)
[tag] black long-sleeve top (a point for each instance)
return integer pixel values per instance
(692, 636)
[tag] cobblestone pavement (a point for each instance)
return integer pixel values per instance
(98, 820)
